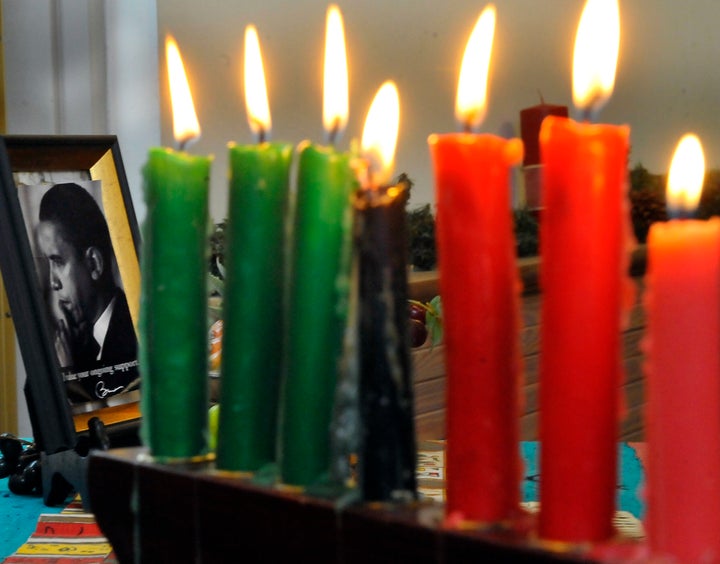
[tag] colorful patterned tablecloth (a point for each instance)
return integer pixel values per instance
(69, 537)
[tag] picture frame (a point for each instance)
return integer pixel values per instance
(64, 392)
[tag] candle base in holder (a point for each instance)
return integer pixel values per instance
(237, 474)
(152, 512)
(177, 460)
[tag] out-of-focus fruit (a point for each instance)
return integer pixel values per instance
(418, 333)
(417, 311)
(213, 418)
(216, 332)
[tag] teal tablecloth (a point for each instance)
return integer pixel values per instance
(630, 496)
(18, 517)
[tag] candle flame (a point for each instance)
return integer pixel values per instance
(597, 44)
(685, 179)
(380, 133)
(471, 101)
(256, 99)
(335, 78)
(185, 122)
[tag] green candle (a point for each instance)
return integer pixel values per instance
(173, 330)
(319, 283)
(318, 294)
(253, 305)
(173, 347)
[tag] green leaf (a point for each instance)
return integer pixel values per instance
(433, 320)
(216, 285)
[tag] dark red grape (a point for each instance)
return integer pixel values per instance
(418, 333)
(417, 312)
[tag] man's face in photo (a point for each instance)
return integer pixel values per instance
(70, 278)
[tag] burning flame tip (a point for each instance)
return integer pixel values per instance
(335, 76)
(471, 101)
(685, 179)
(380, 134)
(256, 98)
(186, 127)
(597, 44)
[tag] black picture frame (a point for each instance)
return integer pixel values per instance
(57, 422)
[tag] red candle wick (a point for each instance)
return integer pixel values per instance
(467, 125)
(589, 112)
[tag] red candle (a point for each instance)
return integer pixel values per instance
(530, 120)
(584, 241)
(682, 349)
(479, 285)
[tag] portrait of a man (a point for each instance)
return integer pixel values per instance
(91, 325)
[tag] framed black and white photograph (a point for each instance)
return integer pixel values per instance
(69, 258)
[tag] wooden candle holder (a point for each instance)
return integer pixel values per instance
(155, 512)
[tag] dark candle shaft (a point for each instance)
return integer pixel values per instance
(387, 453)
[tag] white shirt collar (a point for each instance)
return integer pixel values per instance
(102, 325)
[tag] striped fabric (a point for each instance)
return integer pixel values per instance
(69, 537)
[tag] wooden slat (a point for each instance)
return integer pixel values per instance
(430, 426)
(428, 362)
(632, 428)
(529, 426)
(430, 395)
(8, 384)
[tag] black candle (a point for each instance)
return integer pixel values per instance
(387, 447)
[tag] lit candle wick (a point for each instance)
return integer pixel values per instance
(184, 142)
(362, 169)
(366, 177)
(680, 212)
(470, 124)
(589, 112)
(333, 134)
(262, 133)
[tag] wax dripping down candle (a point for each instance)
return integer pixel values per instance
(254, 284)
(585, 237)
(478, 272)
(387, 457)
(318, 286)
(173, 326)
(682, 349)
